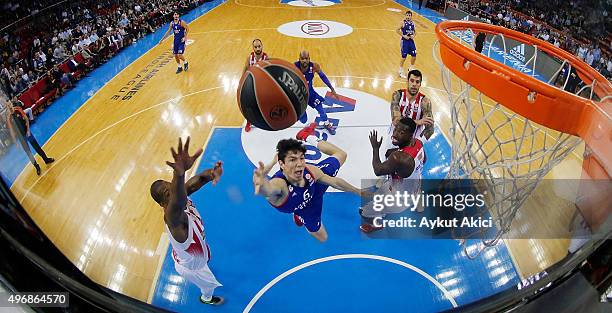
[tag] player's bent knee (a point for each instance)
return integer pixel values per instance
(320, 235)
(341, 156)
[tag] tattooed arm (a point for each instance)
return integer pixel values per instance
(427, 119)
(396, 115)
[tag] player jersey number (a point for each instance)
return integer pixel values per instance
(306, 195)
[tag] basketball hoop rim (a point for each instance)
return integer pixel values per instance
(529, 82)
(550, 106)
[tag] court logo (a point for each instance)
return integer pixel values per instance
(310, 3)
(499, 54)
(315, 29)
(518, 52)
(355, 114)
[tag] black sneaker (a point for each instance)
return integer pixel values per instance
(49, 160)
(215, 300)
(37, 167)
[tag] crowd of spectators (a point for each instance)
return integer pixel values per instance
(55, 42)
(575, 26)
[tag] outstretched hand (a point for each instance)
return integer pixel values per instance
(424, 121)
(216, 172)
(182, 160)
(374, 140)
(258, 177)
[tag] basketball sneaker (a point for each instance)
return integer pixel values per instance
(298, 220)
(402, 74)
(186, 66)
(330, 127)
(179, 69)
(215, 300)
(306, 131)
(37, 167)
(369, 228)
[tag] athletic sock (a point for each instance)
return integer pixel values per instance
(312, 140)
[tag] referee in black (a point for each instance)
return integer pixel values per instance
(19, 125)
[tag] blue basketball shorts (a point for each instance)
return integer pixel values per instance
(179, 48)
(408, 47)
(315, 99)
(311, 216)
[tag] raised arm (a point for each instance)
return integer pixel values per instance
(396, 114)
(268, 167)
(335, 182)
(198, 181)
(178, 193)
(271, 189)
(324, 78)
(397, 163)
(427, 119)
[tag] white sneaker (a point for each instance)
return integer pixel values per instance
(402, 75)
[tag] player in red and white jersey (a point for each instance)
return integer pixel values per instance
(410, 102)
(402, 169)
(184, 225)
(256, 55)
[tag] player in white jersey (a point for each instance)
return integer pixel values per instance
(255, 56)
(402, 169)
(184, 225)
(410, 102)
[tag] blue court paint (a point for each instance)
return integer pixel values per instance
(49, 121)
(252, 243)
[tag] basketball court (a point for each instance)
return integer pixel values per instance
(111, 136)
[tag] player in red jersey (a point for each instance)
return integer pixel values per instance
(183, 223)
(402, 169)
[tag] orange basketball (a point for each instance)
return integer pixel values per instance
(272, 94)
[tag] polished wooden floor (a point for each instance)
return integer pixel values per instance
(94, 201)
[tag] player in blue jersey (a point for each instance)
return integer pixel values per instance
(180, 29)
(407, 31)
(314, 99)
(298, 187)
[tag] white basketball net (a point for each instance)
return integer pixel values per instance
(508, 153)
